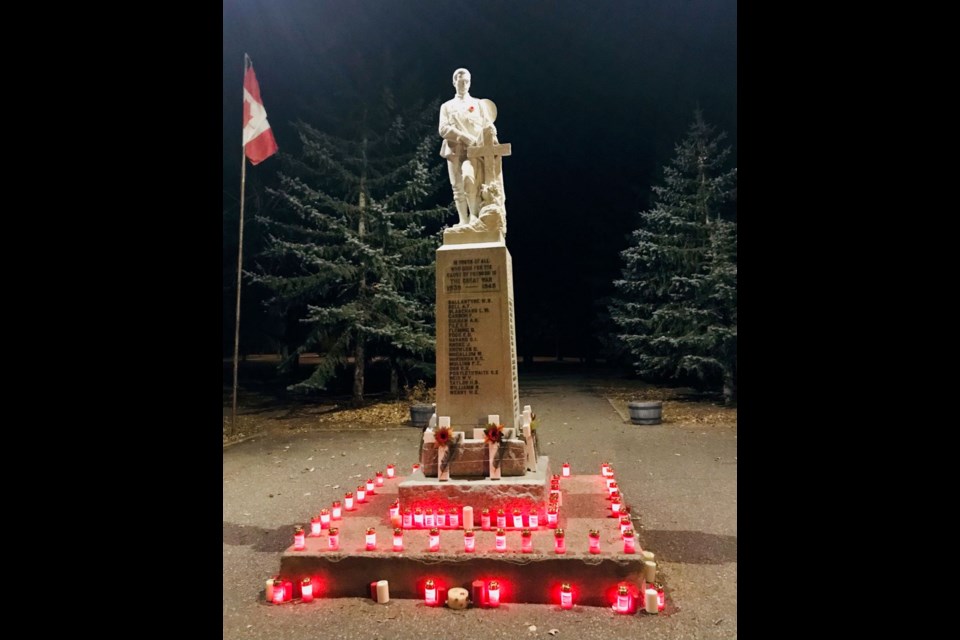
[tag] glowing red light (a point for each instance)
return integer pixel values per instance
(395, 508)
(430, 593)
(485, 519)
(370, 490)
(566, 597)
(428, 519)
(623, 600)
(418, 517)
(348, 501)
(612, 486)
(441, 517)
(371, 539)
(416, 467)
(379, 478)
(407, 518)
(517, 519)
(337, 511)
(454, 519)
(501, 540)
(501, 519)
(629, 541)
(333, 541)
(615, 507)
(551, 516)
(566, 469)
(361, 494)
(534, 519)
(493, 593)
(434, 540)
(315, 526)
(624, 525)
(594, 541)
(559, 541)
(324, 518)
(469, 541)
(278, 591)
(661, 598)
(298, 539)
(398, 539)
(526, 541)
(390, 470)
(306, 590)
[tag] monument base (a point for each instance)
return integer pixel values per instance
(524, 577)
(508, 492)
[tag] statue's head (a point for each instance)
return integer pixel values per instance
(491, 192)
(461, 76)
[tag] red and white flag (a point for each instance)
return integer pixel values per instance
(258, 141)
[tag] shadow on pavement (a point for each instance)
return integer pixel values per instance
(690, 547)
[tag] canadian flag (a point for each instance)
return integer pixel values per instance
(258, 141)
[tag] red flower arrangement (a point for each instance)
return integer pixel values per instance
(442, 437)
(493, 433)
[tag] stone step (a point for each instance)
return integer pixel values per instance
(524, 577)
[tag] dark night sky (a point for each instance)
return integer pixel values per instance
(592, 96)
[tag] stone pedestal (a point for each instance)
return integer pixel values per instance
(472, 460)
(476, 335)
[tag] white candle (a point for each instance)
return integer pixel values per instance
(383, 591)
(648, 555)
(468, 517)
(649, 571)
(652, 603)
(269, 590)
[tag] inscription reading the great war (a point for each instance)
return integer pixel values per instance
(471, 275)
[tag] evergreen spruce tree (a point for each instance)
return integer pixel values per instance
(353, 254)
(673, 306)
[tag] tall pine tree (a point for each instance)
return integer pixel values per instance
(353, 253)
(676, 302)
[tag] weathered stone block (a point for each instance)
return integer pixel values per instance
(473, 460)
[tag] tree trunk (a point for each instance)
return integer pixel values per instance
(358, 367)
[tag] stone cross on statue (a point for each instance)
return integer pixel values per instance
(491, 152)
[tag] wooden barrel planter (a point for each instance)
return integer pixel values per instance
(420, 414)
(645, 412)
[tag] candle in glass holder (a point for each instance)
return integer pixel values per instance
(566, 596)
(416, 467)
(501, 540)
(604, 469)
(371, 539)
(485, 519)
(361, 494)
(395, 507)
(396, 521)
(418, 517)
(441, 518)
(379, 478)
(336, 511)
(615, 506)
(610, 472)
(661, 598)
(428, 519)
(624, 509)
(517, 519)
(551, 516)
(625, 524)
(298, 539)
(526, 541)
(559, 541)
(315, 526)
(407, 518)
(594, 541)
(534, 519)
(398, 539)
(324, 518)
(566, 471)
(454, 518)
(612, 487)
(493, 593)
(555, 496)
(278, 591)
(629, 541)
(434, 539)
(370, 489)
(268, 591)
(333, 541)
(469, 541)
(390, 470)
(287, 590)
(623, 599)
(430, 593)
(468, 517)
(649, 570)
(306, 590)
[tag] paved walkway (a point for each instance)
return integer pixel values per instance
(682, 480)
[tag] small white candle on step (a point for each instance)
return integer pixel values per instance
(444, 421)
(383, 592)
(649, 571)
(651, 601)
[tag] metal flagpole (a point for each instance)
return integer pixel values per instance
(236, 333)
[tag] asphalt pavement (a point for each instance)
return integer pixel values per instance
(681, 480)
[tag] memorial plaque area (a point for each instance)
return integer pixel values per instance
(476, 336)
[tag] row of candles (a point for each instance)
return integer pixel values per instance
(485, 593)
